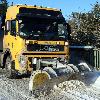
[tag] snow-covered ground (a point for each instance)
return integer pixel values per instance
(86, 88)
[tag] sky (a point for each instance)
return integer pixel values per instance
(67, 6)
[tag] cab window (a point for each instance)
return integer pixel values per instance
(13, 27)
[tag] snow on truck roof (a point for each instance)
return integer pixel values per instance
(12, 11)
(34, 6)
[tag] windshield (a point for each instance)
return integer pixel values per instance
(42, 29)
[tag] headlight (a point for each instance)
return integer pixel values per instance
(22, 60)
(66, 43)
(27, 42)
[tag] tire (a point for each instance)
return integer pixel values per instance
(83, 67)
(50, 71)
(76, 70)
(37, 79)
(10, 73)
(62, 71)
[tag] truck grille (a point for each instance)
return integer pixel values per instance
(49, 48)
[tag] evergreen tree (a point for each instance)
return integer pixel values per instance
(3, 7)
(86, 27)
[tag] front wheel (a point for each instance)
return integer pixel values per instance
(38, 78)
(10, 73)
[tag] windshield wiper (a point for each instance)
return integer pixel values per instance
(34, 36)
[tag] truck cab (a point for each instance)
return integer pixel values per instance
(33, 33)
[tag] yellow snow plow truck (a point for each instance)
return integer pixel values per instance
(35, 42)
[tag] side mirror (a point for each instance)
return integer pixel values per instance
(68, 30)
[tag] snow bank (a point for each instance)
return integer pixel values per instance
(97, 83)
